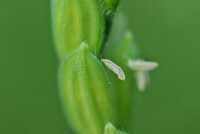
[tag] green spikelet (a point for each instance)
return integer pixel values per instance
(75, 21)
(85, 92)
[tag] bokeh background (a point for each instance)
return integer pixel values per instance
(167, 31)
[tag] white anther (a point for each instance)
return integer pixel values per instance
(140, 65)
(115, 68)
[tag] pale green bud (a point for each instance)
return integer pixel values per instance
(120, 52)
(110, 129)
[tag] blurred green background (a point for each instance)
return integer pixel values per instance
(167, 31)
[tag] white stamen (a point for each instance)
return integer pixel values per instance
(142, 75)
(115, 68)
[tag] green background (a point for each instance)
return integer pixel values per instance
(167, 31)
